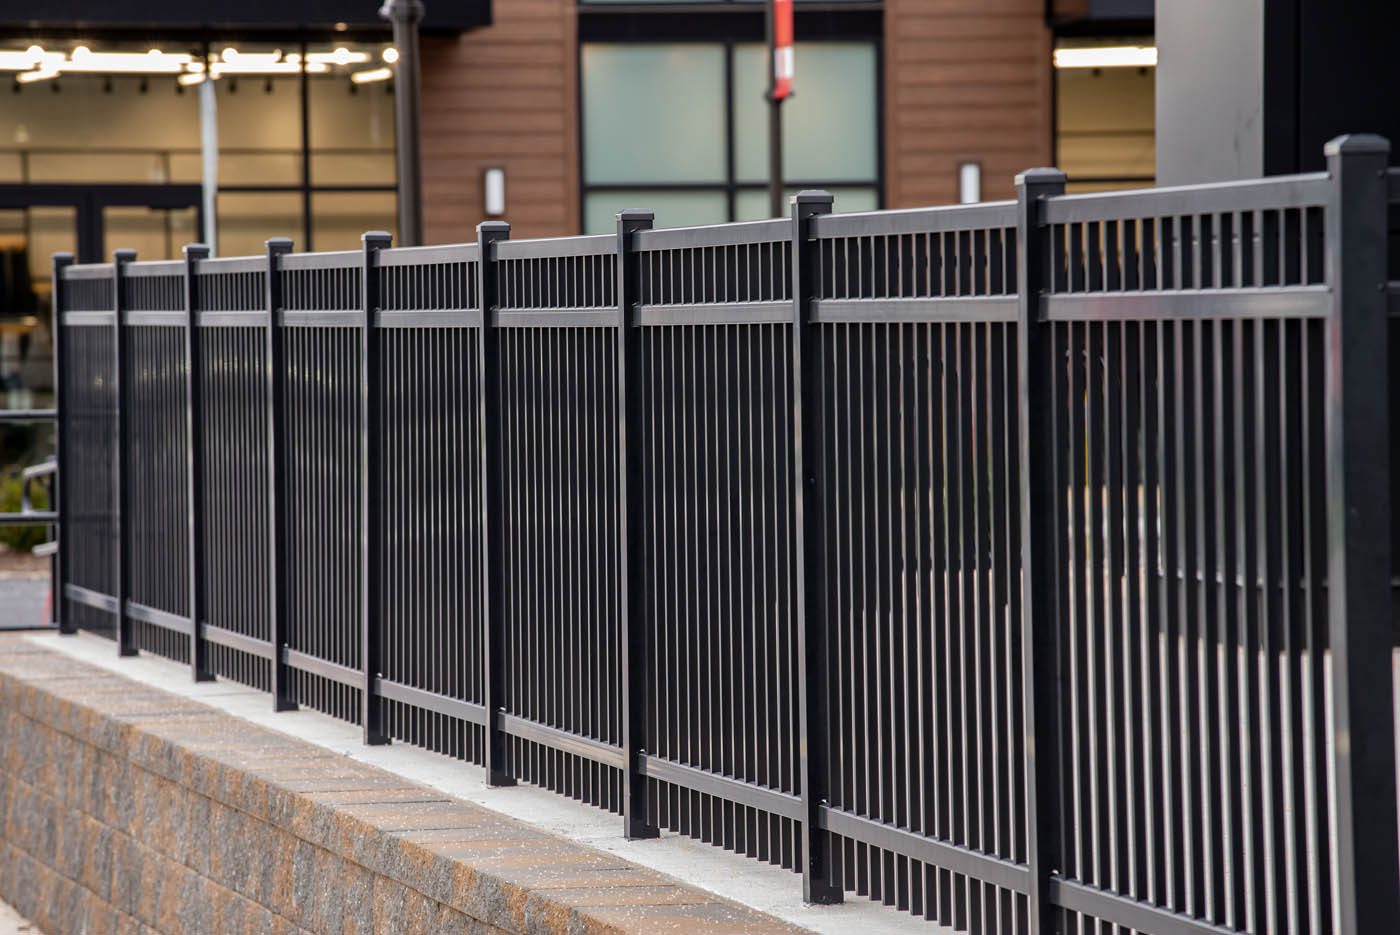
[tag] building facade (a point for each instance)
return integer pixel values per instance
(107, 119)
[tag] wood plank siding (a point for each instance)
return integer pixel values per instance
(503, 95)
(965, 81)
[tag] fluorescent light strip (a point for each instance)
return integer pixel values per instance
(373, 74)
(25, 77)
(1127, 56)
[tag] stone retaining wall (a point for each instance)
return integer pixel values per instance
(131, 810)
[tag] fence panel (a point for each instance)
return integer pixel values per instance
(918, 473)
(715, 358)
(231, 314)
(321, 386)
(89, 377)
(557, 405)
(430, 496)
(1191, 616)
(157, 527)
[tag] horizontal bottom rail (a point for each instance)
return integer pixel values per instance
(468, 711)
(561, 740)
(176, 623)
(955, 858)
(90, 598)
(239, 641)
(305, 662)
(1126, 911)
(783, 804)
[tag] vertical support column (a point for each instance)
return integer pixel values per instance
(121, 473)
(1034, 420)
(492, 522)
(813, 680)
(277, 463)
(371, 490)
(1358, 537)
(632, 549)
(194, 464)
(58, 578)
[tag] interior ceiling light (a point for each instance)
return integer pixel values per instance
(1118, 56)
(33, 57)
(391, 55)
(341, 56)
(191, 78)
(43, 74)
(84, 59)
(372, 74)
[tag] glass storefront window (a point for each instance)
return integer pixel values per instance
(95, 127)
(667, 114)
(1105, 121)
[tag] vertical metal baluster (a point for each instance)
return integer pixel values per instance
(812, 629)
(61, 499)
(121, 473)
(371, 439)
(195, 465)
(1358, 530)
(1038, 535)
(489, 416)
(632, 551)
(274, 375)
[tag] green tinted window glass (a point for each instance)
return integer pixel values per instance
(672, 209)
(653, 113)
(830, 124)
(751, 204)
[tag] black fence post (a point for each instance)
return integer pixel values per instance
(813, 681)
(1035, 371)
(371, 491)
(283, 697)
(632, 547)
(194, 463)
(1358, 533)
(492, 522)
(58, 579)
(121, 525)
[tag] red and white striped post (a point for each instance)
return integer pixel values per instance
(780, 57)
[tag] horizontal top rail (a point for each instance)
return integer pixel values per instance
(717, 235)
(147, 268)
(338, 259)
(442, 253)
(88, 271)
(1289, 191)
(548, 248)
(916, 220)
(231, 264)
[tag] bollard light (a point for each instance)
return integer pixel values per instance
(495, 189)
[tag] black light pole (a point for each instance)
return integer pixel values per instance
(406, 15)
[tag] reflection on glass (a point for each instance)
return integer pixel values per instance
(653, 113)
(154, 233)
(338, 219)
(751, 204)
(248, 219)
(672, 209)
(830, 126)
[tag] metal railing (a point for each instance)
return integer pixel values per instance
(1024, 565)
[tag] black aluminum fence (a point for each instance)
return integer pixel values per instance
(1024, 565)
